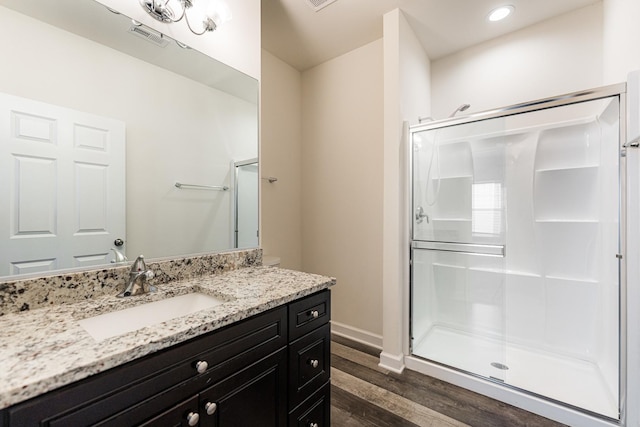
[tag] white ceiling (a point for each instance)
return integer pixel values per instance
(295, 33)
(93, 21)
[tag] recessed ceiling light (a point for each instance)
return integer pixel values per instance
(500, 13)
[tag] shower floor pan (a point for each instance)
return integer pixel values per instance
(575, 382)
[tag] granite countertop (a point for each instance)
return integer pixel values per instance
(47, 348)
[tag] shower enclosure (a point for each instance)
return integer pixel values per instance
(516, 247)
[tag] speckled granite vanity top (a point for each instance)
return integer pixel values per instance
(46, 348)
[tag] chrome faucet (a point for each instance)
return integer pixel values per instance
(137, 283)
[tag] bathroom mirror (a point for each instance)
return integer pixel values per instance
(146, 114)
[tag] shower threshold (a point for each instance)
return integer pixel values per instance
(573, 381)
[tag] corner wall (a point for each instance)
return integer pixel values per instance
(407, 88)
(281, 157)
(342, 161)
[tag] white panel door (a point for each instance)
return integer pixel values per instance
(62, 183)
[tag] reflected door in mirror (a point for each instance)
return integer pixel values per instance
(62, 175)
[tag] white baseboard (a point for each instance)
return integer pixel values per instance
(392, 362)
(357, 335)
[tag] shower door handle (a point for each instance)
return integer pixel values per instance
(463, 248)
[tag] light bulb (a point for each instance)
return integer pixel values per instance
(500, 13)
(218, 11)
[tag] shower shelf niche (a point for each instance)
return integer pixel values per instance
(566, 193)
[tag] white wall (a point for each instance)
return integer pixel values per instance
(415, 74)
(342, 163)
(621, 39)
(560, 55)
(237, 43)
(394, 312)
(622, 56)
(165, 137)
(407, 93)
(281, 157)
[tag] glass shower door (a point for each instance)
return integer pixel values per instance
(515, 244)
(459, 236)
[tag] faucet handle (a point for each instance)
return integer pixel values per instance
(139, 264)
(149, 274)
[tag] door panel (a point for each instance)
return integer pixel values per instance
(262, 386)
(62, 172)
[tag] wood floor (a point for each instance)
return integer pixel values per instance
(365, 395)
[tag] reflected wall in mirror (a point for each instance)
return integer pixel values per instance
(182, 117)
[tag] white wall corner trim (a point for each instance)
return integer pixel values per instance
(392, 272)
(357, 335)
(392, 362)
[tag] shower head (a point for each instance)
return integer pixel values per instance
(463, 107)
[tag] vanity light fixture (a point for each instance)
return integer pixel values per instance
(210, 13)
(498, 14)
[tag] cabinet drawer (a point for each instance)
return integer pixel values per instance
(309, 313)
(310, 364)
(315, 411)
(137, 390)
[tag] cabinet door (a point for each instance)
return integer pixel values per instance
(309, 364)
(255, 396)
(182, 415)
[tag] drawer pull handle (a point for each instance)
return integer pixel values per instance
(211, 408)
(202, 366)
(314, 363)
(315, 314)
(313, 425)
(193, 418)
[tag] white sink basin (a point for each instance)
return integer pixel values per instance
(131, 319)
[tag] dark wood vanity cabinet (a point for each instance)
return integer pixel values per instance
(309, 361)
(269, 370)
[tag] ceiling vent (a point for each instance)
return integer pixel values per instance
(319, 4)
(149, 35)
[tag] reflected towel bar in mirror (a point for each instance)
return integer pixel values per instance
(201, 187)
